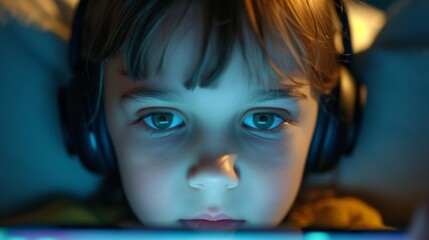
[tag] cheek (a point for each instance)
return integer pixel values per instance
(274, 175)
(150, 184)
(273, 187)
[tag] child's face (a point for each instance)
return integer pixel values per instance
(231, 151)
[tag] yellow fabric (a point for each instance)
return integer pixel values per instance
(67, 212)
(337, 213)
(322, 209)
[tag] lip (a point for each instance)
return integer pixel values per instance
(212, 222)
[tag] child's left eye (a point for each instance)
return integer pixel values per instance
(263, 121)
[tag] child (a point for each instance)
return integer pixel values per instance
(210, 106)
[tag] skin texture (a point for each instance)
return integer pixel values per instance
(211, 160)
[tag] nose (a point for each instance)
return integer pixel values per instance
(214, 174)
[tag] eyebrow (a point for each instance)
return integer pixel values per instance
(280, 94)
(140, 93)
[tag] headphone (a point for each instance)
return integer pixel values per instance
(85, 133)
(87, 136)
(340, 112)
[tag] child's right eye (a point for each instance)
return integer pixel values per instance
(161, 123)
(163, 120)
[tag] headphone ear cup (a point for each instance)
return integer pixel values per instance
(106, 154)
(325, 148)
(85, 128)
(335, 129)
(313, 157)
(353, 100)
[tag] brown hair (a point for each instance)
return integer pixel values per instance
(265, 31)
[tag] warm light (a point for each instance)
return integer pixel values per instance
(365, 23)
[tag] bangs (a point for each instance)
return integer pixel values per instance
(212, 24)
(277, 39)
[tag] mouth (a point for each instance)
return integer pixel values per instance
(208, 222)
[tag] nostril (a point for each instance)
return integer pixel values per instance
(196, 185)
(212, 181)
(217, 174)
(231, 185)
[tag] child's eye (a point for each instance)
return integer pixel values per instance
(262, 121)
(163, 120)
(267, 122)
(160, 123)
